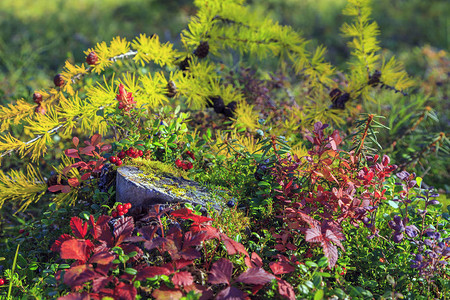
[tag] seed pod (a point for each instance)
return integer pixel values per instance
(172, 89)
(58, 80)
(92, 58)
(202, 50)
(37, 98)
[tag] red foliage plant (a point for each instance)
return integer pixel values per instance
(322, 190)
(185, 263)
(86, 168)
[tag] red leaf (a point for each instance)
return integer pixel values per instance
(255, 261)
(150, 272)
(78, 228)
(75, 141)
(103, 258)
(92, 223)
(255, 276)
(125, 291)
(221, 272)
(314, 235)
(330, 251)
(76, 249)
(73, 153)
(164, 293)
(78, 275)
(186, 213)
(232, 246)
(86, 176)
(96, 139)
(87, 150)
(56, 247)
(106, 148)
(123, 229)
(59, 187)
(73, 182)
(231, 293)
(285, 289)
(100, 282)
(282, 266)
(182, 278)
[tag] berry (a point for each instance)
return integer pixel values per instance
(2, 281)
(40, 110)
(119, 162)
(127, 205)
(230, 203)
(37, 98)
(121, 213)
(189, 165)
(202, 50)
(179, 163)
(140, 153)
(114, 214)
(58, 80)
(21, 231)
(113, 159)
(121, 154)
(190, 154)
(92, 58)
(120, 207)
(125, 211)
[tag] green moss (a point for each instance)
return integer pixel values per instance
(153, 168)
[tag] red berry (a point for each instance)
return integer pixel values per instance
(2, 281)
(178, 163)
(92, 58)
(121, 154)
(190, 154)
(119, 207)
(114, 214)
(113, 159)
(140, 153)
(21, 231)
(189, 165)
(127, 205)
(37, 98)
(121, 213)
(119, 162)
(40, 110)
(58, 80)
(125, 211)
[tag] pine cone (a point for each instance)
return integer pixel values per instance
(184, 65)
(229, 110)
(202, 50)
(172, 89)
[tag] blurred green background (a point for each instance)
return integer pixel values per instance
(36, 36)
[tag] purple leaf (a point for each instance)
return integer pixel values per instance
(255, 276)
(231, 293)
(221, 272)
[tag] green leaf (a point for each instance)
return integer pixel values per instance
(393, 204)
(303, 289)
(323, 262)
(311, 264)
(317, 280)
(84, 215)
(390, 279)
(318, 295)
(309, 284)
(130, 271)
